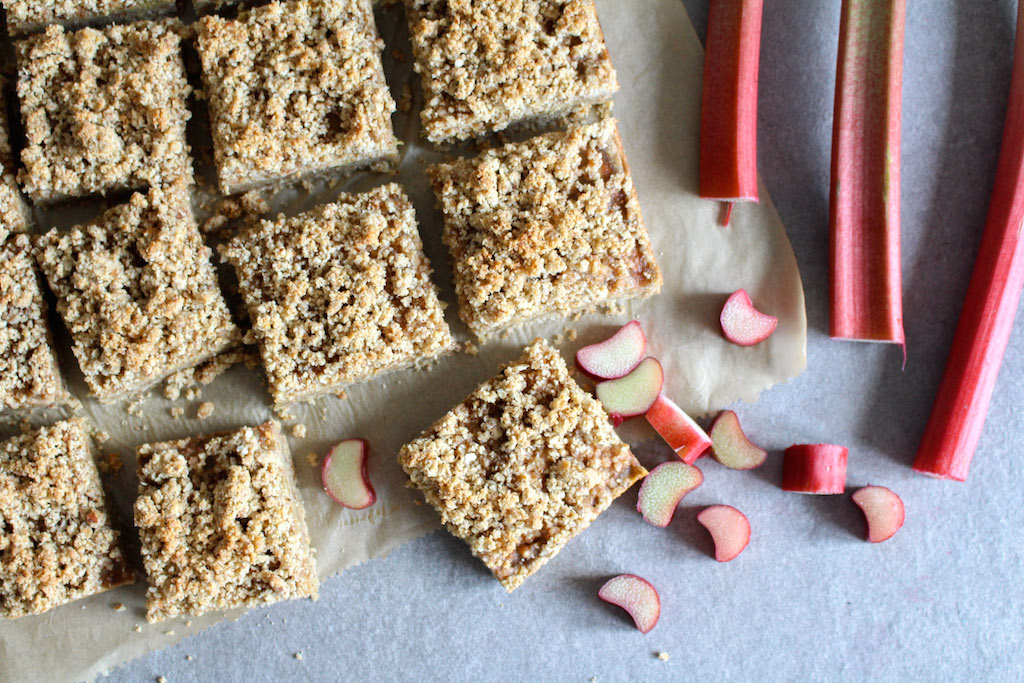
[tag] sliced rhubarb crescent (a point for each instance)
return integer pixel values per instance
(616, 356)
(883, 511)
(744, 325)
(663, 488)
(729, 528)
(635, 595)
(633, 394)
(731, 447)
(344, 475)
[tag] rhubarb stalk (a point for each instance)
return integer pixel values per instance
(728, 124)
(986, 319)
(864, 212)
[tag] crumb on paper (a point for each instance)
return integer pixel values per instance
(341, 395)
(171, 632)
(398, 54)
(177, 412)
(559, 339)
(189, 657)
(405, 99)
(135, 408)
(299, 431)
(663, 656)
(471, 348)
(298, 656)
(193, 393)
(118, 606)
(110, 463)
(570, 334)
(138, 629)
(161, 679)
(205, 410)
(101, 436)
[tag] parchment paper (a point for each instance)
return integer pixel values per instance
(659, 61)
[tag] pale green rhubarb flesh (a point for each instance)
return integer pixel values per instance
(864, 211)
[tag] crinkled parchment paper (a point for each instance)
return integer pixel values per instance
(659, 61)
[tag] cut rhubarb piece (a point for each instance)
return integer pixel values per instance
(729, 528)
(635, 595)
(986, 319)
(817, 468)
(678, 430)
(743, 324)
(864, 211)
(728, 122)
(731, 447)
(633, 394)
(344, 475)
(663, 488)
(883, 511)
(616, 356)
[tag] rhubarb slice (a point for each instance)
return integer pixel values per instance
(728, 122)
(731, 447)
(817, 468)
(678, 430)
(344, 475)
(616, 356)
(633, 394)
(986, 318)
(663, 488)
(635, 595)
(864, 212)
(883, 511)
(729, 529)
(743, 324)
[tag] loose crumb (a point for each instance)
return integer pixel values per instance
(188, 657)
(205, 410)
(313, 459)
(570, 334)
(663, 656)
(109, 463)
(471, 348)
(118, 607)
(161, 679)
(135, 408)
(177, 411)
(138, 629)
(193, 393)
(341, 395)
(171, 632)
(405, 99)
(101, 436)
(298, 656)
(299, 431)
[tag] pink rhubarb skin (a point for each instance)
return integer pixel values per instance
(678, 430)
(864, 212)
(616, 356)
(729, 528)
(814, 468)
(728, 122)
(986, 319)
(744, 325)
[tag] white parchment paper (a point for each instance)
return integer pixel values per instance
(659, 62)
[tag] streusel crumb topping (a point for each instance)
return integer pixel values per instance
(296, 88)
(138, 293)
(487, 63)
(15, 214)
(222, 524)
(550, 225)
(339, 294)
(103, 109)
(27, 16)
(521, 466)
(58, 542)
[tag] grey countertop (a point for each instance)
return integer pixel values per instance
(808, 598)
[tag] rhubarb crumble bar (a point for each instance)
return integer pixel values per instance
(339, 294)
(544, 227)
(29, 16)
(103, 110)
(296, 88)
(29, 375)
(522, 466)
(138, 293)
(488, 64)
(222, 524)
(15, 214)
(58, 542)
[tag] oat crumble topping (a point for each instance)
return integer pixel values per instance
(28, 16)
(58, 543)
(339, 294)
(29, 374)
(486, 64)
(296, 88)
(544, 227)
(103, 109)
(138, 293)
(15, 214)
(222, 524)
(521, 466)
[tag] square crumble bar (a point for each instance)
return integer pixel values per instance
(138, 293)
(521, 466)
(487, 64)
(548, 226)
(222, 524)
(15, 213)
(104, 110)
(58, 542)
(296, 89)
(29, 374)
(339, 294)
(29, 16)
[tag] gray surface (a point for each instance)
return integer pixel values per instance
(941, 600)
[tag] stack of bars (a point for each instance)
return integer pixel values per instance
(343, 293)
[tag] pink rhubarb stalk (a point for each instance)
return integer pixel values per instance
(864, 212)
(986, 320)
(814, 468)
(728, 123)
